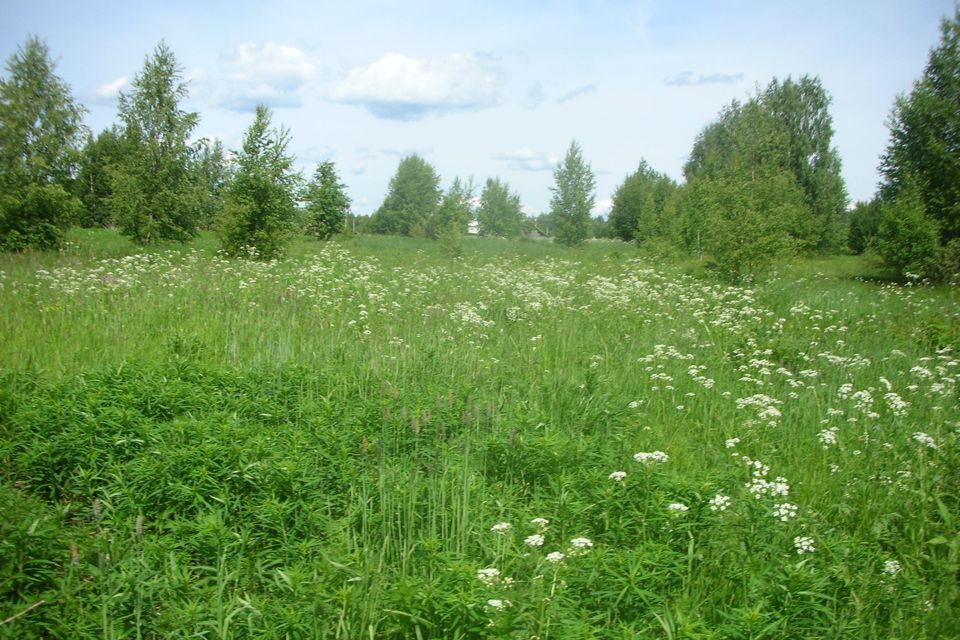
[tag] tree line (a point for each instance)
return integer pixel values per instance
(762, 180)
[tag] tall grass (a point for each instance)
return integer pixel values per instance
(321, 446)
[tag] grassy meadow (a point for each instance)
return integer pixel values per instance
(374, 439)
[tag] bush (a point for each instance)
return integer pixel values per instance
(907, 238)
(36, 217)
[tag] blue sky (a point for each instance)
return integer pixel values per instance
(493, 88)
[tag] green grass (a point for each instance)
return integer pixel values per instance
(192, 446)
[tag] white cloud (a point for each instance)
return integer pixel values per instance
(689, 79)
(602, 206)
(403, 88)
(111, 89)
(272, 74)
(576, 93)
(525, 159)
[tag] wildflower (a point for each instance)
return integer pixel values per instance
(496, 604)
(656, 456)
(617, 476)
(785, 512)
(488, 576)
(536, 540)
(730, 443)
(719, 503)
(555, 557)
(579, 546)
(677, 507)
(501, 527)
(540, 522)
(804, 545)
(828, 437)
(925, 440)
(633, 405)
(891, 567)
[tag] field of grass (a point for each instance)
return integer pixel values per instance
(371, 439)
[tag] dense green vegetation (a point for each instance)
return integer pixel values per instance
(762, 182)
(714, 426)
(322, 446)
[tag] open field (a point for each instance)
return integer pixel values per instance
(355, 442)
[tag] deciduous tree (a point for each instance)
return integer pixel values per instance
(412, 199)
(573, 197)
(924, 148)
(260, 211)
(327, 202)
(499, 213)
(40, 137)
(155, 195)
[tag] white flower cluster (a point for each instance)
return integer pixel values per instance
(719, 502)
(759, 486)
(536, 540)
(644, 457)
(925, 440)
(730, 443)
(804, 544)
(891, 567)
(785, 511)
(677, 507)
(618, 476)
(580, 546)
(828, 437)
(898, 406)
(496, 604)
(488, 576)
(501, 527)
(766, 406)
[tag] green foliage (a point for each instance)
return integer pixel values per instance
(155, 194)
(260, 214)
(98, 160)
(749, 206)
(412, 199)
(644, 207)
(907, 238)
(924, 147)
(35, 216)
(455, 210)
(802, 108)
(864, 225)
(573, 196)
(327, 202)
(212, 175)
(40, 134)
(796, 130)
(322, 445)
(499, 213)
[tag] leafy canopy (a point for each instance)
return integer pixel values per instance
(326, 201)
(260, 212)
(155, 193)
(499, 213)
(40, 137)
(573, 197)
(412, 199)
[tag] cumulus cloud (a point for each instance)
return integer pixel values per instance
(272, 74)
(399, 87)
(690, 79)
(110, 90)
(602, 207)
(576, 93)
(525, 159)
